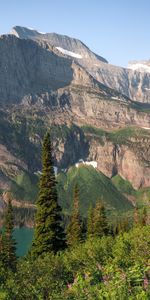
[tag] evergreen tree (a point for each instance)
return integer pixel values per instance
(144, 216)
(125, 224)
(74, 230)
(8, 244)
(100, 226)
(49, 233)
(90, 220)
(136, 220)
(1, 247)
(116, 228)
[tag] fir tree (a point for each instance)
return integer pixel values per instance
(8, 244)
(90, 220)
(1, 247)
(49, 233)
(116, 229)
(74, 230)
(100, 226)
(144, 217)
(136, 217)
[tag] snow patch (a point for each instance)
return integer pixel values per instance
(35, 30)
(88, 163)
(69, 53)
(14, 32)
(147, 128)
(40, 32)
(115, 98)
(139, 67)
(30, 28)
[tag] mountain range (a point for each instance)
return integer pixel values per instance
(96, 112)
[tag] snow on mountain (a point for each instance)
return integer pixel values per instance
(30, 28)
(140, 66)
(70, 53)
(88, 163)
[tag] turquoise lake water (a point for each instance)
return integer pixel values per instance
(23, 237)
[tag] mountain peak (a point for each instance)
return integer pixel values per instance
(25, 32)
(67, 45)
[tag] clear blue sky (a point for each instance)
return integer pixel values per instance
(119, 30)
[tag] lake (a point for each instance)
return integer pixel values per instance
(23, 237)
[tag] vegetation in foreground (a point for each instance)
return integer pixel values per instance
(97, 262)
(100, 268)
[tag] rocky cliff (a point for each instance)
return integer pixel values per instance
(134, 81)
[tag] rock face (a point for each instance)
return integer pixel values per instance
(134, 82)
(53, 81)
(63, 42)
(129, 160)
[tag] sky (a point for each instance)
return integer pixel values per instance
(118, 30)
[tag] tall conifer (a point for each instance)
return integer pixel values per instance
(90, 222)
(49, 234)
(74, 229)
(8, 244)
(99, 226)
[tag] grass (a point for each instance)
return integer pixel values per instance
(142, 196)
(93, 185)
(123, 185)
(121, 136)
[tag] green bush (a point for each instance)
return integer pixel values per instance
(99, 269)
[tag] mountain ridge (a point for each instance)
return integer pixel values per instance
(43, 88)
(133, 84)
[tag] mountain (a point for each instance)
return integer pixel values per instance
(129, 81)
(66, 45)
(141, 66)
(98, 186)
(52, 82)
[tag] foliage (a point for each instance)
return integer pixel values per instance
(100, 268)
(123, 185)
(97, 221)
(74, 229)
(93, 185)
(49, 234)
(8, 244)
(121, 136)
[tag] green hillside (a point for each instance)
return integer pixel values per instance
(142, 196)
(93, 185)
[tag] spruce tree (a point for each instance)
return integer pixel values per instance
(49, 233)
(1, 247)
(100, 225)
(136, 220)
(8, 244)
(74, 229)
(144, 217)
(90, 220)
